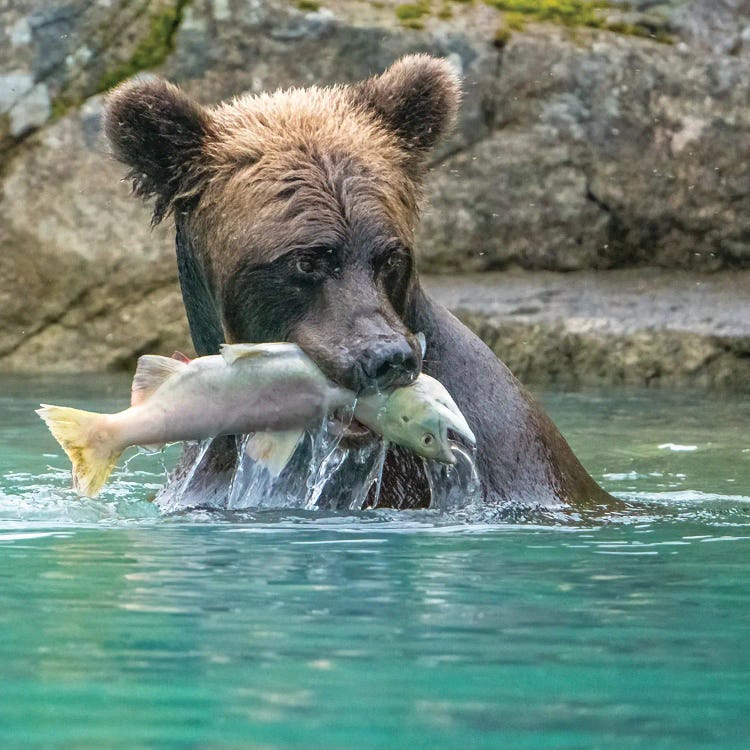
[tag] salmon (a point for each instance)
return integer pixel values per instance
(273, 390)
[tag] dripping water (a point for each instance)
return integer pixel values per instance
(456, 486)
(321, 475)
(181, 491)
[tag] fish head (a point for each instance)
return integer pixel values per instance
(419, 417)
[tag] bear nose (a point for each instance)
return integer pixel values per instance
(389, 366)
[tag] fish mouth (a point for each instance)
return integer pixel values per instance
(352, 433)
(461, 439)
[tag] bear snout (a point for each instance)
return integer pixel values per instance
(389, 365)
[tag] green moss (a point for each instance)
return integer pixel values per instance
(309, 5)
(445, 12)
(569, 13)
(634, 29)
(516, 21)
(60, 106)
(152, 50)
(4, 130)
(412, 11)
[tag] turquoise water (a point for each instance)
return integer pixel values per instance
(121, 628)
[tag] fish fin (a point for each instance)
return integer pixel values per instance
(233, 352)
(93, 456)
(150, 372)
(273, 449)
(180, 357)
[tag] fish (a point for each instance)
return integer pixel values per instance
(273, 390)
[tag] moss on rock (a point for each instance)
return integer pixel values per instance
(411, 14)
(572, 13)
(152, 50)
(568, 12)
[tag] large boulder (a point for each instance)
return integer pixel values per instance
(85, 284)
(55, 55)
(617, 151)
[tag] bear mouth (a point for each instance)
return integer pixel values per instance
(351, 432)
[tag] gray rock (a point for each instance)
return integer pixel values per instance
(66, 52)
(661, 328)
(30, 111)
(84, 282)
(14, 85)
(617, 152)
(534, 211)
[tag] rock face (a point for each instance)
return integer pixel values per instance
(85, 284)
(577, 148)
(623, 327)
(55, 55)
(618, 153)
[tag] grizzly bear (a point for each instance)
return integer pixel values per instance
(295, 216)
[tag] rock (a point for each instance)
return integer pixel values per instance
(716, 26)
(67, 52)
(535, 211)
(85, 284)
(30, 111)
(575, 149)
(223, 50)
(664, 328)
(613, 153)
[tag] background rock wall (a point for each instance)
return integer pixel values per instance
(578, 148)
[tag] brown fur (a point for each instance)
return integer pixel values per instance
(295, 216)
(310, 166)
(288, 168)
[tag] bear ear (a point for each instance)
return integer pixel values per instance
(417, 98)
(159, 133)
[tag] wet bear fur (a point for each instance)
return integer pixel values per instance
(295, 215)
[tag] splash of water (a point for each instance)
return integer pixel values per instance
(182, 488)
(322, 475)
(457, 486)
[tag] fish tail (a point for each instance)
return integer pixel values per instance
(91, 451)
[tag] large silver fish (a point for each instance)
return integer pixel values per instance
(272, 390)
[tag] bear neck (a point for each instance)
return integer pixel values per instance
(200, 304)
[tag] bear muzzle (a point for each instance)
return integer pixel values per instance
(389, 365)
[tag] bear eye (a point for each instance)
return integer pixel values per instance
(307, 266)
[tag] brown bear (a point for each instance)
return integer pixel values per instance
(295, 215)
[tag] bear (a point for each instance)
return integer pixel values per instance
(295, 216)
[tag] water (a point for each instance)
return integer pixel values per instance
(307, 629)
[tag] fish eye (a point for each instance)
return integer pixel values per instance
(428, 439)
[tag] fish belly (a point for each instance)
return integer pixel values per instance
(227, 401)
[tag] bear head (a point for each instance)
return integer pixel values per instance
(299, 207)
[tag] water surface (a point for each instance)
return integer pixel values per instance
(281, 629)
